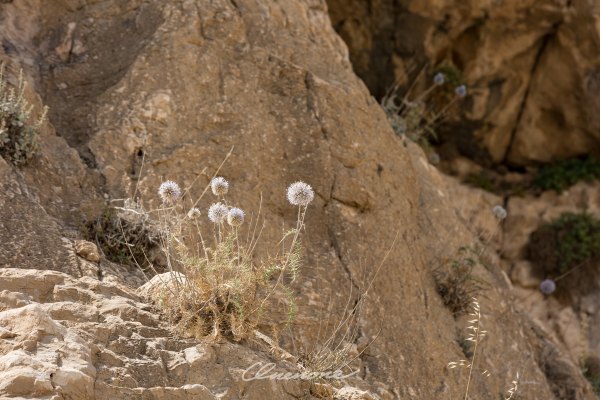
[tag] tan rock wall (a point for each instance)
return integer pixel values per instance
(179, 84)
(531, 67)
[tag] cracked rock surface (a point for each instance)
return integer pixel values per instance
(532, 68)
(173, 86)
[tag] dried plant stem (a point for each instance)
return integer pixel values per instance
(477, 315)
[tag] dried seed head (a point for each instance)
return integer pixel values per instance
(548, 286)
(219, 186)
(194, 213)
(217, 213)
(499, 212)
(235, 217)
(169, 192)
(300, 194)
(439, 79)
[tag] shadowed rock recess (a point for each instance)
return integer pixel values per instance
(532, 67)
(178, 84)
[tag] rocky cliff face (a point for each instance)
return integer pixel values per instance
(178, 84)
(532, 68)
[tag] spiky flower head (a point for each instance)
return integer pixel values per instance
(461, 91)
(217, 213)
(219, 186)
(499, 212)
(439, 79)
(300, 194)
(194, 213)
(235, 217)
(169, 192)
(548, 286)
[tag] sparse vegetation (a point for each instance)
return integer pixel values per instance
(565, 242)
(563, 174)
(218, 286)
(481, 180)
(18, 135)
(453, 76)
(338, 349)
(591, 370)
(414, 116)
(125, 235)
(455, 281)
(474, 337)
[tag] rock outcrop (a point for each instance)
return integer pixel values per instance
(144, 91)
(531, 66)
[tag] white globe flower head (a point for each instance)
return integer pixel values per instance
(499, 212)
(300, 194)
(461, 91)
(217, 213)
(548, 286)
(439, 79)
(219, 186)
(235, 217)
(194, 213)
(169, 192)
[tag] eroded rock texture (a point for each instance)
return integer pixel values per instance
(532, 68)
(179, 84)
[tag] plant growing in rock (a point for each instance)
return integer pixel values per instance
(475, 335)
(591, 370)
(415, 116)
(565, 243)
(126, 235)
(455, 281)
(563, 174)
(481, 180)
(340, 347)
(218, 286)
(18, 135)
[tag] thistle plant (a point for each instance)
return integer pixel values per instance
(217, 286)
(415, 116)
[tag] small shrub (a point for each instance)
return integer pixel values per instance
(563, 174)
(455, 281)
(564, 243)
(125, 235)
(481, 180)
(18, 136)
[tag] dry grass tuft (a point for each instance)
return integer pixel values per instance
(475, 335)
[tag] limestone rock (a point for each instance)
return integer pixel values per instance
(531, 66)
(161, 90)
(87, 250)
(350, 393)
